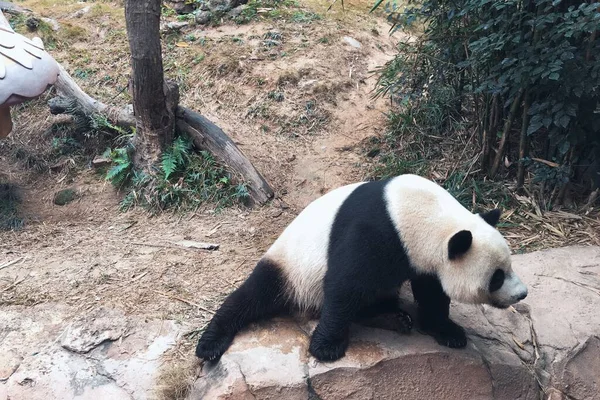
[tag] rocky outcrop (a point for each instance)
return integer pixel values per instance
(548, 346)
(182, 6)
(45, 353)
(205, 10)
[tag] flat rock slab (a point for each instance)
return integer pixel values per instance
(47, 354)
(546, 346)
(88, 331)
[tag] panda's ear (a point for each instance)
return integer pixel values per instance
(459, 244)
(491, 217)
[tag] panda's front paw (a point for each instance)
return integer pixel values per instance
(211, 346)
(448, 333)
(327, 349)
(404, 322)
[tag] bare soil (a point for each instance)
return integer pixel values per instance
(88, 254)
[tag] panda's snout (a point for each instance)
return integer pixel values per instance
(511, 292)
(520, 291)
(522, 295)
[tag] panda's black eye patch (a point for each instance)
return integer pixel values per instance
(497, 280)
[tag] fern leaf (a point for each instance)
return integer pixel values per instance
(180, 149)
(169, 164)
(118, 173)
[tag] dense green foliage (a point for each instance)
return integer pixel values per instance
(523, 75)
(184, 180)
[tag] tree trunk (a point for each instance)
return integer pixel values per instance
(152, 99)
(205, 134)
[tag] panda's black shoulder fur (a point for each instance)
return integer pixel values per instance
(364, 244)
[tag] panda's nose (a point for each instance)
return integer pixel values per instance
(522, 296)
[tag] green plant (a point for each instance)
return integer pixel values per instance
(9, 207)
(184, 179)
(523, 74)
(277, 9)
(275, 95)
(167, 11)
(175, 157)
(305, 17)
(83, 73)
(122, 169)
(64, 145)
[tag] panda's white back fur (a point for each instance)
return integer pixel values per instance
(423, 213)
(301, 250)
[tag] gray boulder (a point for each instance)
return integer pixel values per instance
(203, 17)
(181, 6)
(222, 6)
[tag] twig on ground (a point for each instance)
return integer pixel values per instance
(184, 301)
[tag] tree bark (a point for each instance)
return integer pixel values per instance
(152, 99)
(489, 127)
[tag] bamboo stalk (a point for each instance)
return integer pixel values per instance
(523, 142)
(505, 132)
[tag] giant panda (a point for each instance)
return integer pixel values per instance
(348, 252)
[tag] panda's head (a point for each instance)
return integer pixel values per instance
(477, 266)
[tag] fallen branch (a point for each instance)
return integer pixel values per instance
(205, 134)
(8, 264)
(14, 284)
(190, 244)
(548, 163)
(580, 284)
(184, 301)
(72, 97)
(14, 9)
(185, 244)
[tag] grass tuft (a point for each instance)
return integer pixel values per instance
(175, 381)
(10, 200)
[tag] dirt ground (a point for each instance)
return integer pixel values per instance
(88, 254)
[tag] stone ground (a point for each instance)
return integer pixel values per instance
(549, 344)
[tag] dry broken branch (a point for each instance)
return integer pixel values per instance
(204, 133)
(207, 135)
(11, 8)
(71, 95)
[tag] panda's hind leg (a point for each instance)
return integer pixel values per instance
(434, 310)
(262, 295)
